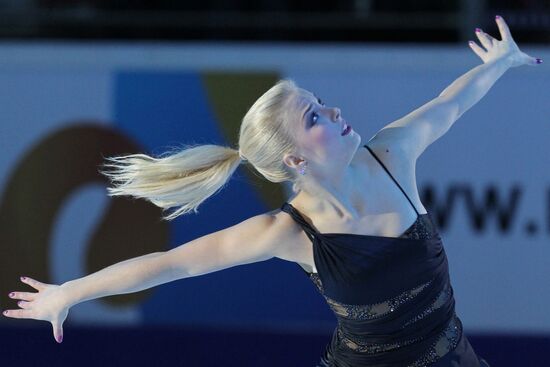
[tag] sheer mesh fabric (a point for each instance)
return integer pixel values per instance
(422, 228)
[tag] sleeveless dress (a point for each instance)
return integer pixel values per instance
(391, 296)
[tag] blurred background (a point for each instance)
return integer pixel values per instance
(424, 21)
(83, 80)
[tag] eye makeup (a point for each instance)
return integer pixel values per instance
(308, 121)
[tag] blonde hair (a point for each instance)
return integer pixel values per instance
(185, 178)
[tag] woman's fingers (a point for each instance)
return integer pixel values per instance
(33, 283)
(25, 296)
(58, 331)
(18, 314)
(24, 304)
(485, 39)
(477, 49)
(532, 61)
(505, 34)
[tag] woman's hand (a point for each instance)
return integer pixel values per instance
(47, 304)
(505, 49)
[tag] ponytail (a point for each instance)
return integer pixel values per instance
(183, 179)
(187, 177)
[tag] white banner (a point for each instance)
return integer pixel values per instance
(486, 182)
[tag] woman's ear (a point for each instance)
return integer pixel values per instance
(292, 161)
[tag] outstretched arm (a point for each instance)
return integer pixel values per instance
(416, 131)
(255, 239)
(246, 242)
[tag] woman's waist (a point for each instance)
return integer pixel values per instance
(412, 351)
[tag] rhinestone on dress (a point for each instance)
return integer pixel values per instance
(361, 346)
(445, 342)
(439, 301)
(369, 311)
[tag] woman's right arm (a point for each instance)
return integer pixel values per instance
(255, 239)
(246, 242)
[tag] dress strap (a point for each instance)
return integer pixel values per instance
(295, 214)
(394, 180)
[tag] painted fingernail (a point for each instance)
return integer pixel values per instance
(478, 30)
(470, 42)
(497, 16)
(539, 61)
(12, 294)
(23, 278)
(5, 312)
(19, 303)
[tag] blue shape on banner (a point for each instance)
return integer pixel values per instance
(164, 109)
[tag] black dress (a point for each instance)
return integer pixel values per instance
(391, 296)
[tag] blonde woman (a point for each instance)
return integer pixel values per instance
(376, 258)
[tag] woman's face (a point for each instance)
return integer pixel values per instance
(319, 135)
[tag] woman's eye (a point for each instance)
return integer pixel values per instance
(313, 117)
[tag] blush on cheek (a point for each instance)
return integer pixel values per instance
(324, 138)
(327, 144)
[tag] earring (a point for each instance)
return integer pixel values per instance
(302, 168)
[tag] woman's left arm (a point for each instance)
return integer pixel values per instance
(417, 130)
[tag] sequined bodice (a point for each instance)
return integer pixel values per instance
(447, 340)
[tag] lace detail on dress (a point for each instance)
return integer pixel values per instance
(371, 311)
(447, 338)
(439, 301)
(447, 341)
(361, 346)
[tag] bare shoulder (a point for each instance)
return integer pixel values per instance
(255, 239)
(392, 154)
(292, 242)
(400, 164)
(275, 232)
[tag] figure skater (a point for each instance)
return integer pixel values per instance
(378, 262)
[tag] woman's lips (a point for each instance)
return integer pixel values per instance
(347, 130)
